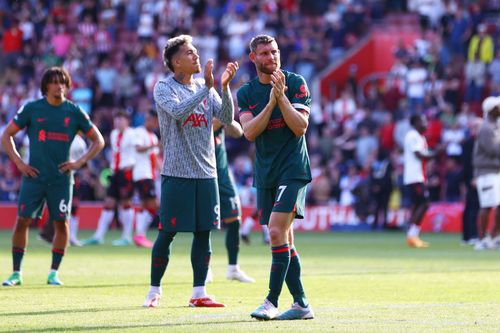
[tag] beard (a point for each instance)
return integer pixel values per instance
(197, 69)
(58, 96)
(268, 69)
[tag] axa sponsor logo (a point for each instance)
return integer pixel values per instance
(196, 120)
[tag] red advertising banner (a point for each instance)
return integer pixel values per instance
(441, 217)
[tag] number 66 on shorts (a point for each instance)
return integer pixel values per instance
(34, 193)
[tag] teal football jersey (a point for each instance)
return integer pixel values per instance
(51, 130)
(280, 155)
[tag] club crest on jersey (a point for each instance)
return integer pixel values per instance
(196, 120)
(66, 121)
(42, 135)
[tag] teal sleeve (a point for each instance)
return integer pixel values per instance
(301, 97)
(242, 100)
(22, 118)
(84, 122)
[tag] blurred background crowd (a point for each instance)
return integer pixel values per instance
(113, 51)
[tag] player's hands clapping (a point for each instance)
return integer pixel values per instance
(209, 76)
(27, 170)
(278, 83)
(70, 165)
(228, 74)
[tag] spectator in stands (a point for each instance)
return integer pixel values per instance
(453, 136)
(106, 76)
(481, 46)
(12, 44)
(415, 91)
(61, 42)
(9, 184)
(344, 107)
(430, 12)
(494, 72)
(348, 184)
(366, 146)
(459, 31)
(475, 77)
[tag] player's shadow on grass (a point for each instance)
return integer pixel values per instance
(124, 327)
(92, 310)
(97, 286)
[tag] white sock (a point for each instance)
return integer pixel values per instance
(153, 289)
(199, 292)
(265, 231)
(413, 231)
(126, 217)
(73, 227)
(233, 268)
(142, 221)
(53, 271)
(247, 226)
(105, 220)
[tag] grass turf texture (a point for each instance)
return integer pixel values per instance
(356, 282)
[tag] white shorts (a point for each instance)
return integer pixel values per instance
(488, 188)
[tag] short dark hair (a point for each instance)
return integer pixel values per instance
(122, 114)
(415, 119)
(260, 39)
(173, 45)
(55, 74)
(153, 113)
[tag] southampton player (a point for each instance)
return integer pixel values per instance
(121, 186)
(274, 111)
(51, 124)
(230, 207)
(416, 154)
(189, 197)
(144, 176)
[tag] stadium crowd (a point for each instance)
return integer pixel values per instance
(112, 50)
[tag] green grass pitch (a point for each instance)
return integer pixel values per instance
(356, 282)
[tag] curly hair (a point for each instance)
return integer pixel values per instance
(55, 75)
(173, 45)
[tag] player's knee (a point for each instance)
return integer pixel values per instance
(61, 225)
(23, 222)
(151, 206)
(109, 203)
(276, 235)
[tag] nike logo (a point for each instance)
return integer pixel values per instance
(277, 203)
(251, 107)
(40, 120)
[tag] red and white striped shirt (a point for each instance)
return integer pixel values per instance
(146, 161)
(123, 149)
